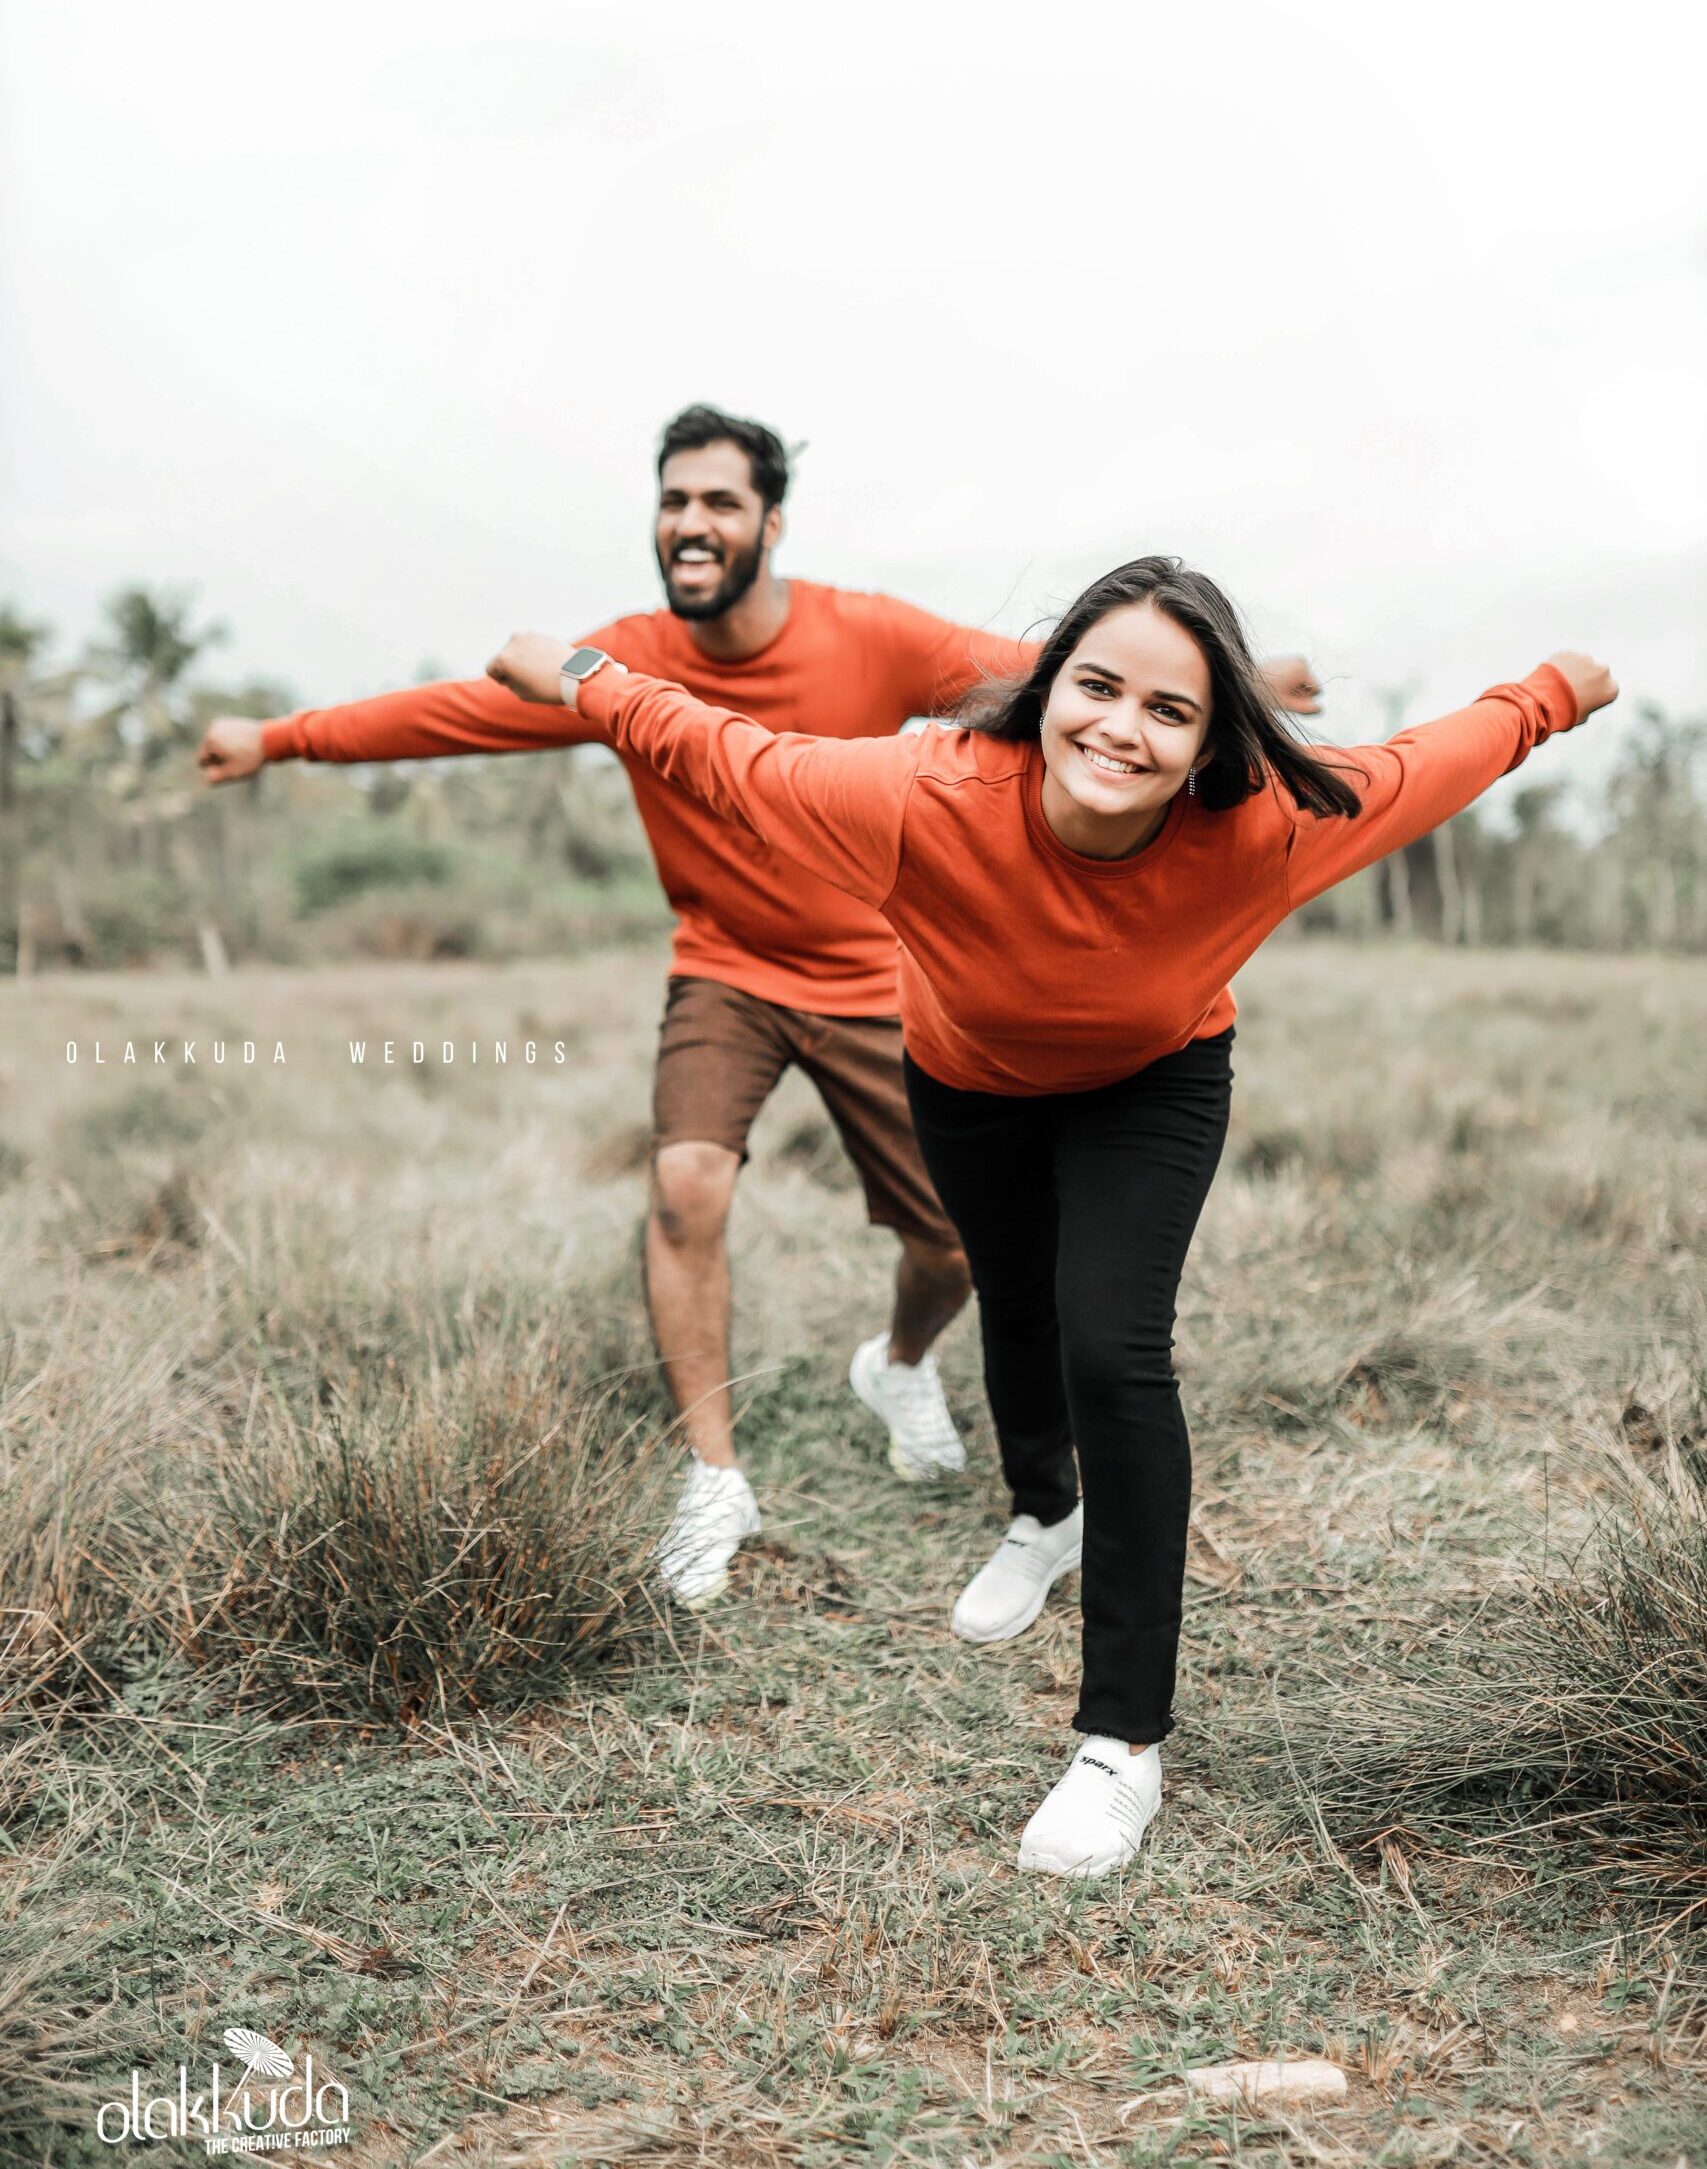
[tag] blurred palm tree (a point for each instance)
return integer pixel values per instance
(1538, 845)
(27, 694)
(21, 642)
(1660, 810)
(144, 653)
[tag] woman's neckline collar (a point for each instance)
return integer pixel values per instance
(1081, 862)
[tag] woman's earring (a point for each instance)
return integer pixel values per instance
(1191, 782)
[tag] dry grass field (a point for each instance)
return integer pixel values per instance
(333, 1702)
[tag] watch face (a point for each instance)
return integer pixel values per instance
(584, 662)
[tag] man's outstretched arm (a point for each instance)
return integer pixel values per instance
(424, 722)
(940, 662)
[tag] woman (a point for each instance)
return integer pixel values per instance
(1074, 881)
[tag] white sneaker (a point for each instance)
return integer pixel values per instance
(1003, 1598)
(715, 1511)
(1096, 1816)
(908, 1397)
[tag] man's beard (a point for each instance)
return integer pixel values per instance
(739, 573)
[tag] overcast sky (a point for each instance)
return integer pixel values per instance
(363, 318)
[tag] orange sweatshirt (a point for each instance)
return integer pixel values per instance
(1026, 967)
(844, 665)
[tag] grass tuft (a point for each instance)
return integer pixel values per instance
(69, 1513)
(471, 1547)
(1574, 1705)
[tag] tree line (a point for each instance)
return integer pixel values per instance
(112, 852)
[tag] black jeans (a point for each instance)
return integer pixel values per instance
(1077, 1210)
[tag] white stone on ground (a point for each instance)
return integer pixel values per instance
(1287, 2084)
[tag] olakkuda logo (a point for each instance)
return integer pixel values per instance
(236, 2116)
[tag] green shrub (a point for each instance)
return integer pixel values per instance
(353, 860)
(415, 922)
(115, 919)
(156, 1116)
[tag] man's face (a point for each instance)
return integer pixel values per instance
(713, 530)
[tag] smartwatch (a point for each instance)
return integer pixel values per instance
(579, 668)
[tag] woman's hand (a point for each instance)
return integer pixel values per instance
(1591, 682)
(529, 664)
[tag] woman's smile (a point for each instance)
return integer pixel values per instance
(1112, 764)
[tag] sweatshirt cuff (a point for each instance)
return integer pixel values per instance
(1558, 702)
(284, 739)
(596, 697)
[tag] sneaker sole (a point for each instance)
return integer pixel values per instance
(909, 1470)
(708, 1595)
(715, 1589)
(1034, 1863)
(1026, 1619)
(917, 1472)
(719, 1588)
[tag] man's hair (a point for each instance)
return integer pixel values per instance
(697, 426)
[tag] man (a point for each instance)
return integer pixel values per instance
(770, 967)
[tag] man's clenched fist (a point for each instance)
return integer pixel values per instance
(1293, 683)
(529, 664)
(230, 747)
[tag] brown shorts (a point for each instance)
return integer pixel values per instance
(722, 1053)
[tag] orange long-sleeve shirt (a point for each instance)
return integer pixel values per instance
(1026, 967)
(844, 666)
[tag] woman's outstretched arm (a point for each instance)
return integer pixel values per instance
(1425, 775)
(835, 805)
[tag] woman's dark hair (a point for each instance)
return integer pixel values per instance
(695, 427)
(1248, 742)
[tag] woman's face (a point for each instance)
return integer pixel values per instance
(1127, 717)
